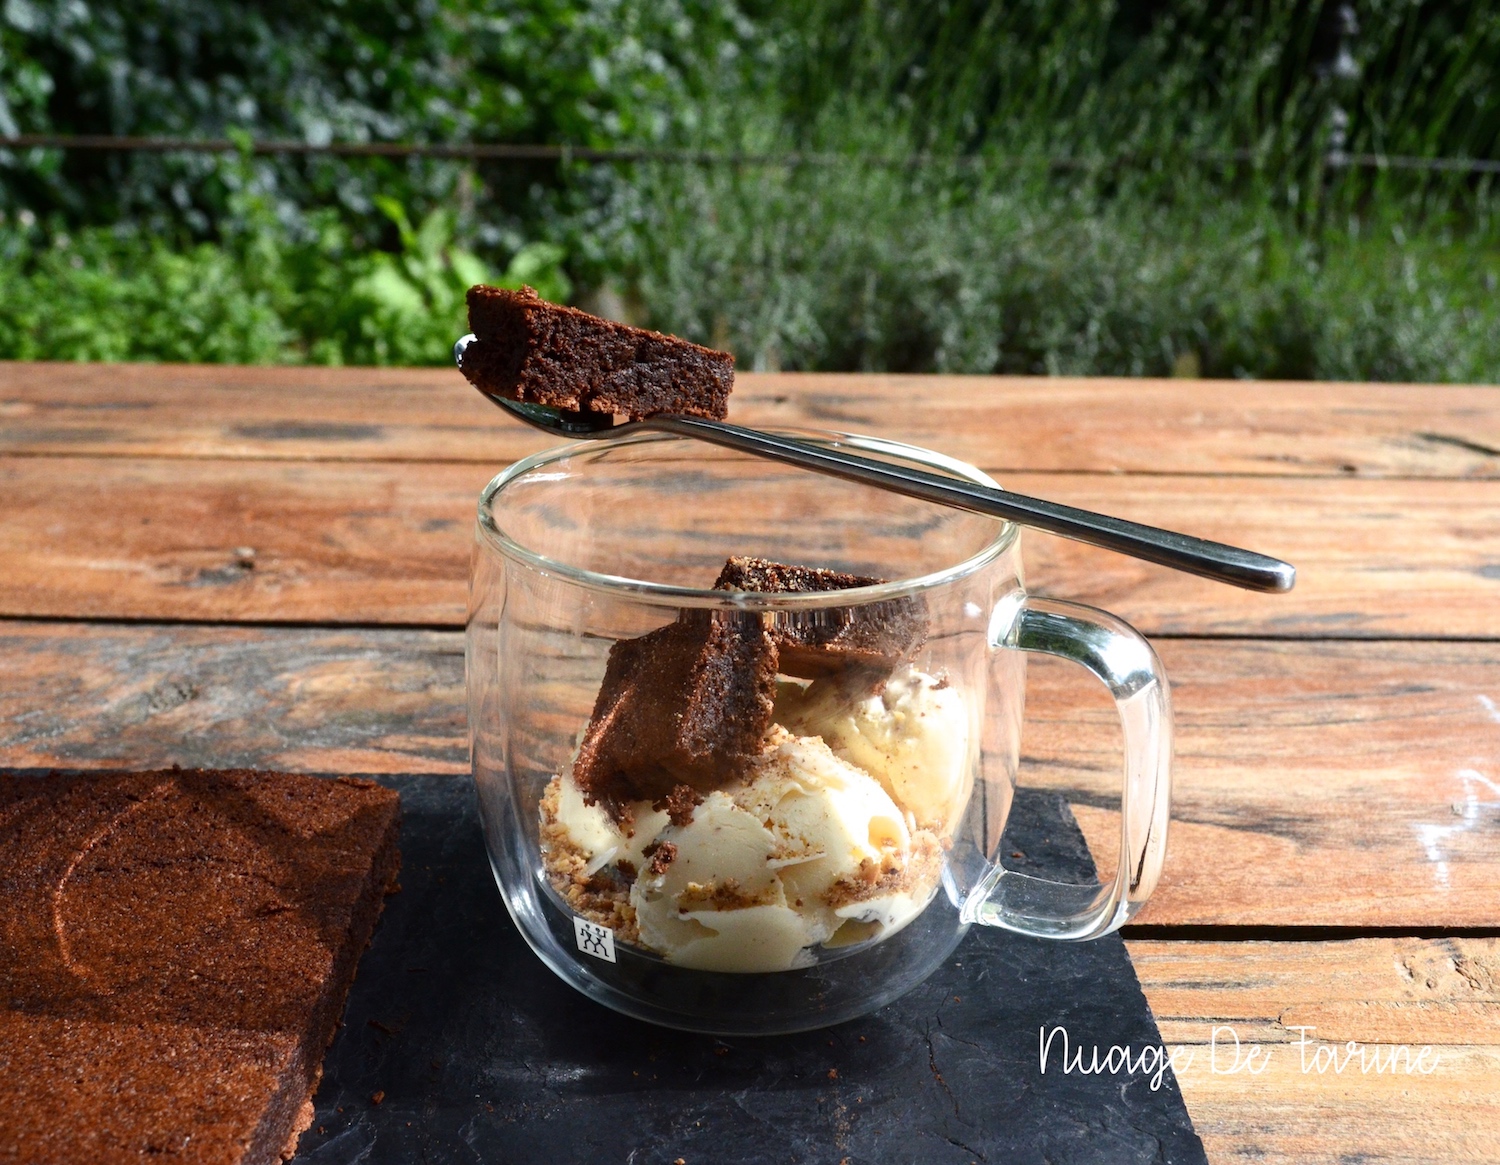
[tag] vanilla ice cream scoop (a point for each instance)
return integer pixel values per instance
(762, 873)
(913, 737)
(595, 836)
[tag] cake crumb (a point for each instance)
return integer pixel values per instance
(679, 804)
(663, 855)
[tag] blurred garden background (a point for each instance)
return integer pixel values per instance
(1243, 188)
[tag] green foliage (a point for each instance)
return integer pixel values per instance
(1098, 79)
(413, 302)
(107, 295)
(870, 269)
(1196, 226)
(408, 308)
(589, 72)
(98, 296)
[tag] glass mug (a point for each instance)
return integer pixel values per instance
(597, 542)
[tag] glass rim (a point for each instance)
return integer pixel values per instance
(680, 596)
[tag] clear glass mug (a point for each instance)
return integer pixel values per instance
(584, 546)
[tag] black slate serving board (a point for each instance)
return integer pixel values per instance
(458, 1045)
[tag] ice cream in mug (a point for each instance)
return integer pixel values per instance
(747, 793)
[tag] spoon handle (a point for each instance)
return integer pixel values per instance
(1229, 564)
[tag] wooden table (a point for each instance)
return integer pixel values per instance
(231, 566)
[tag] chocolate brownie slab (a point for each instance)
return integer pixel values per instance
(115, 1092)
(529, 350)
(874, 636)
(175, 952)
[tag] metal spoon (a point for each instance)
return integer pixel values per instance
(1229, 564)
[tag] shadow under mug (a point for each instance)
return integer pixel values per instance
(595, 542)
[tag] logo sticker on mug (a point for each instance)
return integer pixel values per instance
(594, 939)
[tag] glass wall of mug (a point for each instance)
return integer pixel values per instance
(829, 873)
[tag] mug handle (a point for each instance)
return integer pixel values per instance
(1120, 656)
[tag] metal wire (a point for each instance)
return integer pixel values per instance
(494, 151)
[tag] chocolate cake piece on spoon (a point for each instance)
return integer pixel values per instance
(535, 352)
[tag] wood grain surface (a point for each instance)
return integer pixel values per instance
(1316, 785)
(1338, 748)
(1300, 1104)
(98, 696)
(370, 542)
(1065, 424)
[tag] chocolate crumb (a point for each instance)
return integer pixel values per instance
(679, 804)
(665, 854)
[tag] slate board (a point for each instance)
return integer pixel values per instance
(482, 1054)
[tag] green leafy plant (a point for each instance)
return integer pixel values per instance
(1194, 225)
(415, 298)
(264, 298)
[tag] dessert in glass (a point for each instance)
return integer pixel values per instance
(745, 738)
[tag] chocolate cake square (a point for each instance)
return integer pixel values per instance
(116, 1092)
(175, 952)
(872, 636)
(686, 705)
(529, 350)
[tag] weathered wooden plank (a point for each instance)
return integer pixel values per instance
(1403, 990)
(389, 543)
(200, 410)
(1333, 784)
(1344, 784)
(1385, 994)
(1003, 423)
(85, 696)
(236, 540)
(1374, 558)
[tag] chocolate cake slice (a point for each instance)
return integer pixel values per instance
(873, 636)
(685, 706)
(529, 350)
(175, 951)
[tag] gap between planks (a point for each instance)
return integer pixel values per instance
(999, 471)
(1310, 640)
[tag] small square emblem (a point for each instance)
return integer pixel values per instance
(594, 939)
